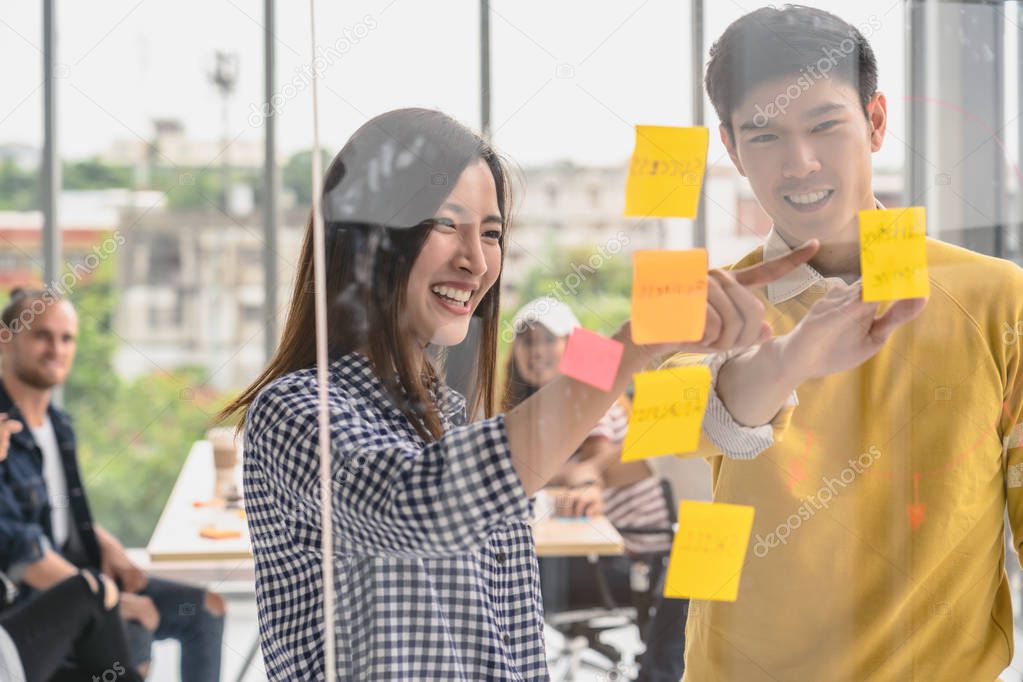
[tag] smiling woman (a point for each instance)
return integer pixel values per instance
(460, 260)
(436, 574)
(414, 202)
(414, 214)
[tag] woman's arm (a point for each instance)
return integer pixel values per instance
(549, 426)
(545, 429)
(392, 496)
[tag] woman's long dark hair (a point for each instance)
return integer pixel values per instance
(379, 195)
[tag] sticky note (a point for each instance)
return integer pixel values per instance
(591, 358)
(214, 533)
(666, 172)
(669, 295)
(709, 550)
(893, 253)
(667, 412)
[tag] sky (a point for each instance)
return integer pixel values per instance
(570, 78)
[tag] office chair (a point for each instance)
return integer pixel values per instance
(582, 627)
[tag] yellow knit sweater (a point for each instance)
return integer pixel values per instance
(877, 548)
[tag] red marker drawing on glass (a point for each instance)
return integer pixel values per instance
(797, 471)
(916, 510)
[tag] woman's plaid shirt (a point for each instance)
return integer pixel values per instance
(435, 572)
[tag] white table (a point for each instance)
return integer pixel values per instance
(177, 540)
(577, 537)
(177, 550)
(176, 537)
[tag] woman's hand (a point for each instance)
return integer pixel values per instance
(587, 500)
(565, 410)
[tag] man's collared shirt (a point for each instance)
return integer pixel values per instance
(877, 547)
(736, 440)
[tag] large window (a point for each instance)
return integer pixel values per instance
(163, 210)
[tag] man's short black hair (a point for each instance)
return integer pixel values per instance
(805, 43)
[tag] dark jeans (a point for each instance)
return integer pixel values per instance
(665, 638)
(183, 617)
(68, 622)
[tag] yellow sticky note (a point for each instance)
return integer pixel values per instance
(666, 172)
(669, 295)
(893, 253)
(667, 412)
(709, 550)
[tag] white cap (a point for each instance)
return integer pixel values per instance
(557, 317)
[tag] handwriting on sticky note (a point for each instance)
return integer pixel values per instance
(667, 412)
(709, 550)
(666, 171)
(893, 253)
(669, 295)
(591, 358)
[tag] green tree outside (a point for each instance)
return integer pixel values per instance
(599, 296)
(133, 436)
(296, 178)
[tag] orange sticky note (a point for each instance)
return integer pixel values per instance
(666, 171)
(669, 295)
(214, 533)
(709, 550)
(893, 253)
(591, 358)
(667, 413)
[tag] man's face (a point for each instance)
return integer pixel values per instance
(41, 352)
(808, 161)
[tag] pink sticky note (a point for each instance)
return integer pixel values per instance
(591, 358)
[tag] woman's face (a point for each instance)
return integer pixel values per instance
(537, 353)
(459, 262)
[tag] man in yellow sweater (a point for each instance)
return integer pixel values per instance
(880, 451)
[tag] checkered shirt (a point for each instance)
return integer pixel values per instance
(435, 572)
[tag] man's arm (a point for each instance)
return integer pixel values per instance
(115, 563)
(755, 384)
(23, 544)
(46, 572)
(599, 453)
(839, 332)
(1010, 425)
